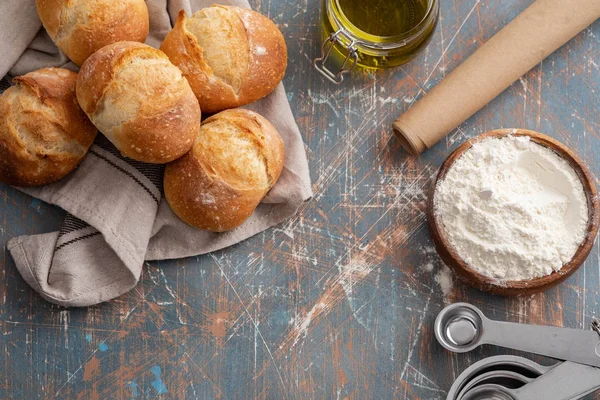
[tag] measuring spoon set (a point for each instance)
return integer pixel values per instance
(462, 327)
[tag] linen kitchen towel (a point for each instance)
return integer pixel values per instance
(117, 217)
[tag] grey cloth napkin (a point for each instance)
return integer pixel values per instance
(117, 217)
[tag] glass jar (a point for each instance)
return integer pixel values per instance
(356, 32)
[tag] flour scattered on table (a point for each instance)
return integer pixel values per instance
(428, 267)
(442, 274)
(444, 279)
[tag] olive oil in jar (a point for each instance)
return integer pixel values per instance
(373, 33)
(383, 18)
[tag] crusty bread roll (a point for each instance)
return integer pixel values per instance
(237, 157)
(81, 27)
(230, 55)
(44, 134)
(139, 101)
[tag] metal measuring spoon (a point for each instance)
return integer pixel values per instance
(489, 392)
(461, 327)
(507, 379)
(522, 366)
(566, 381)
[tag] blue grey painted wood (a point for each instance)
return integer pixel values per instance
(339, 301)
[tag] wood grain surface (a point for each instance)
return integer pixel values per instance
(339, 301)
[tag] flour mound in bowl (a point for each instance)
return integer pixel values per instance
(512, 209)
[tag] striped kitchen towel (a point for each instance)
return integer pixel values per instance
(117, 216)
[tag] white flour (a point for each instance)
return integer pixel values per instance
(444, 279)
(512, 209)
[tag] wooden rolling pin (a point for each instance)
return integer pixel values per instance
(539, 30)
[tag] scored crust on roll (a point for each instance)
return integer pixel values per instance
(230, 55)
(81, 27)
(44, 134)
(236, 159)
(139, 101)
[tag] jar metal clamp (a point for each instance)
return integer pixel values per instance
(328, 45)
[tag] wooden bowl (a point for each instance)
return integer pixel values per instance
(513, 288)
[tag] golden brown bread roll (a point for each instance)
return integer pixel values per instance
(44, 134)
(81, 27)
(230, 55)
(139, 101)
(237, 157)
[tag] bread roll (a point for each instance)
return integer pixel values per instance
(140, 101)
(81, 27)
(230, 55)
(44, 134)
(237, 157)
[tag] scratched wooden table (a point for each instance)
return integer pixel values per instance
(337, 302)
